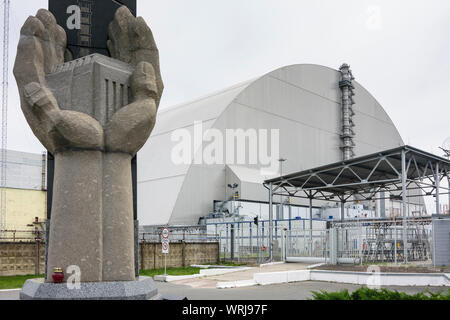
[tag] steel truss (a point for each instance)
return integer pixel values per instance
(401, 173)
(382, 242)
(330, 187)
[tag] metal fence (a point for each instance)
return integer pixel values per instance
(342, 242)
(307, 243)
(22, 235)
(361, 242)
(187, 237)
(244, 241)
(348, 242)
(383, 241)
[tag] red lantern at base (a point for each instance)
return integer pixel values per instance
(58, 275)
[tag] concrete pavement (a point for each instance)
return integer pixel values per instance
(204, 288)
(287, 291)
(247, 275)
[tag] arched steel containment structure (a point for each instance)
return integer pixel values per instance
(302, 101)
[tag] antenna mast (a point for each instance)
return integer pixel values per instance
(4, 113)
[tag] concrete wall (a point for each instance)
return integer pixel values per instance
(180, 254)
(441, 242)
(22, 258)
(24, 170)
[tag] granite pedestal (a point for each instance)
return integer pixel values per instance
(142, 289)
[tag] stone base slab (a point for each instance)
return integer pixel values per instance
(142, 289)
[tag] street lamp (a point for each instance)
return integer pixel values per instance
(232, 235)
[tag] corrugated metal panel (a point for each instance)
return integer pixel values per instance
(160, 181)
(441, 241)
(203, 109)
(24, 170)
(302, 101)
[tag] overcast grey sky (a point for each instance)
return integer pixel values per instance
(399, 50)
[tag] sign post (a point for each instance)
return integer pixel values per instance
(165, 246)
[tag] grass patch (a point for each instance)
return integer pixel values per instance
(230, 264)
(15, 282)
(183, 271)
(365, 293)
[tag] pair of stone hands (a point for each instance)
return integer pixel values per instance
(42, 46)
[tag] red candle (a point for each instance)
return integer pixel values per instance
(58, 275)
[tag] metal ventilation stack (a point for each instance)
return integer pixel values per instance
(346, 86)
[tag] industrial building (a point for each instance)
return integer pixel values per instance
(25, 195)
(295, 113)
(302, 116)
(205, 169)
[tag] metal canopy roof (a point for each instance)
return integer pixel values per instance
(366, 175)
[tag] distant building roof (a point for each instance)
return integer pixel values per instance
(24, 170)
(302, 101)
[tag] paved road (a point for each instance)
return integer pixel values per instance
(9, 295)
(290, 291)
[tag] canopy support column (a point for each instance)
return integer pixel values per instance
(437, 182)
(271, 222)
(448, 186)
(405, 235)
(310, 224)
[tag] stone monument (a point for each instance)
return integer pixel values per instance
(93, 114)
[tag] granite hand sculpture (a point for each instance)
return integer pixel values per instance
(92, 224)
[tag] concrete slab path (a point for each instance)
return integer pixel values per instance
(211, 281)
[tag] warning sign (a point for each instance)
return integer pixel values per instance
(165, 233)
(165, 246)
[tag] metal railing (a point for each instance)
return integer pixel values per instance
(22, 236)
(151, 237)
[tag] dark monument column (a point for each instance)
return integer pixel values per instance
(86, 24)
